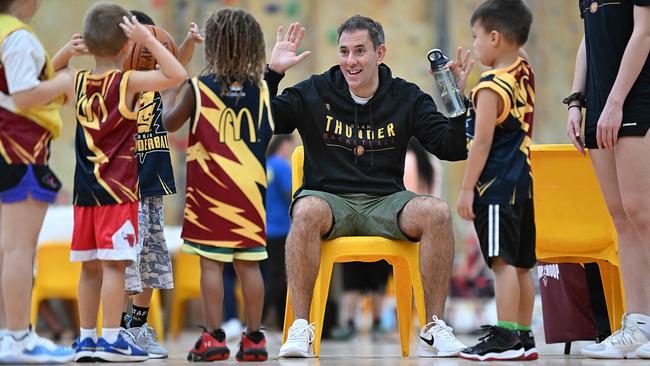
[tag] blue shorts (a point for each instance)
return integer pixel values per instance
(18, 181)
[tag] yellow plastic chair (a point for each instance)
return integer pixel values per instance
(58, 278)
(573, 224)
(402, 255)
(187, 286)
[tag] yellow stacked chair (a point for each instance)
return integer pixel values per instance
(573, 224)
(187, 286)
(402, 255)
(58, 278)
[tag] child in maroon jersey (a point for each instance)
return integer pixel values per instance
(225, 219)
(106, 181)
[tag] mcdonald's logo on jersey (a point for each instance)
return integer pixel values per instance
(231, 121)
(91, 111)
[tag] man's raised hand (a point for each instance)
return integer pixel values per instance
(283, 56)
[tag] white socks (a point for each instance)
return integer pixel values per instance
(110, 334)
(88, 333)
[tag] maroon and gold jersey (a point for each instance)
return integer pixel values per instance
(226, 176)
(106, 171)
(21, 140)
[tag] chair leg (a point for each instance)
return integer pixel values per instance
(289, 317)
(418, 290)
(33, 311)
(614, 295)
(319, 299)
(403, 297)
(176, 314)
(156, 315)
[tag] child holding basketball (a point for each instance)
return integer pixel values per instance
(153, 268)
(225, 216)
(497, 187)
(30, 97)
(106, 180)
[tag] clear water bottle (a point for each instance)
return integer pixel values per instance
(447, 96)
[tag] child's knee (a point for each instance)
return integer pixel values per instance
(113, 265)
(246, 267)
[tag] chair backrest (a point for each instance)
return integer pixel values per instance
(297, 161)
(53, 266)
(570, 213)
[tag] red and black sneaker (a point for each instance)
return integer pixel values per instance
(252, 347)
(209, 347)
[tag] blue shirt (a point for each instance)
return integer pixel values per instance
(278, 197)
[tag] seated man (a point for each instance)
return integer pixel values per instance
(356, 121)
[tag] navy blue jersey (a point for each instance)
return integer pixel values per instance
(155, 173)
(506, 177)
(608, 28)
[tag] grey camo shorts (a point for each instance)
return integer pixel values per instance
(153, 268)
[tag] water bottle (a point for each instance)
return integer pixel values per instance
(446, 94)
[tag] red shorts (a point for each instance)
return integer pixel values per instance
(105, 232)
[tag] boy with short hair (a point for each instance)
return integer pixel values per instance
(106, 180)
(497, 187)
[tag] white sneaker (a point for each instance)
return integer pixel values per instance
(299, 340)
(438, 340)
(621, 344)
(233, 329)
(33, 349)
(643, 351)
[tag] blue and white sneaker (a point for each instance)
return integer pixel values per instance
(33, 349)
(119, 351)
(84, 351)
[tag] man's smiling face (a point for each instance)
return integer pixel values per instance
(359, 61)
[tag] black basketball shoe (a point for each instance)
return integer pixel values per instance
(499, 344)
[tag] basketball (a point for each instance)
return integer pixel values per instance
(140, 58)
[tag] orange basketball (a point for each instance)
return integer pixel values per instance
(140, 58)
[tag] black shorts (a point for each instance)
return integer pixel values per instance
(507, 232)
(627, 129)
(365, 276)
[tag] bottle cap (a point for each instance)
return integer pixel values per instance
(437, 59)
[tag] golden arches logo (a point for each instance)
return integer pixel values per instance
(91, 117)
(231, 120)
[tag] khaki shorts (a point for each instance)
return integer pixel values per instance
(363, 215)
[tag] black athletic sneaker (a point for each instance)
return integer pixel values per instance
(527, 339)
(498, 344)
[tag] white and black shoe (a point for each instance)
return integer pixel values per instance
(499, 344)
(437, 340)
(299, 340)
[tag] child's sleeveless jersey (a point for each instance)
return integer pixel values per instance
(226, 179)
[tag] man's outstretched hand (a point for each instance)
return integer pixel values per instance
(283, 56)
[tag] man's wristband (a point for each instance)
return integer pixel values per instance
(577, 96)
(270, 69)
(574, 106)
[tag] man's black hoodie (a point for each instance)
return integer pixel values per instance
(354, 148)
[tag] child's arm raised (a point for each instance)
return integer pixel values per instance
(175, 117)
(74, 47)
(487, 107)
(186, 49)
(171, 72)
